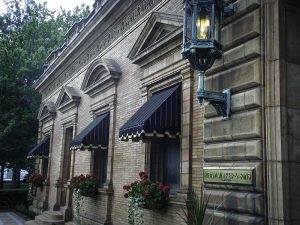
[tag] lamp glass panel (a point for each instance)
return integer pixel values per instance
(203, 25)
(188, 23)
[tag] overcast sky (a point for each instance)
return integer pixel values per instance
(55, 4)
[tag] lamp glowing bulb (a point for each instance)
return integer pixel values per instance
(203, 27)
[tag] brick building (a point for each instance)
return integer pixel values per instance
(121, 69)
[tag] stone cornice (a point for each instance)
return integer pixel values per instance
(55, 76)
(47, 110)
(72, 102)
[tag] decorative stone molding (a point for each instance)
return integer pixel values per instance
(47, 111)
(160, 29)
(68, 98)
(102, 74)
(99, 4)
(103, 41)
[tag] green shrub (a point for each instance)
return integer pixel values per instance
(25, 211)
(87, 184)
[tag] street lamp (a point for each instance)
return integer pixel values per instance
(202, 45)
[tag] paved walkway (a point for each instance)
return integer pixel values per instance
(10, 218)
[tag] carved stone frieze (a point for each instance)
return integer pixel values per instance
(122, 24)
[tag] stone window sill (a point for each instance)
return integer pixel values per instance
(105, 191)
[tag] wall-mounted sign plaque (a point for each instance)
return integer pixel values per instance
(229, 175)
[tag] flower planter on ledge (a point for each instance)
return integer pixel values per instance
(88, 193)
(145, 194)
(87, 184)
(36, 180)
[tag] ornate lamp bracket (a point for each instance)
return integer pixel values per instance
(201, 45)
(221, 101)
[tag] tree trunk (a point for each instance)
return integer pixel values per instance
(2, 164)
(16, 175)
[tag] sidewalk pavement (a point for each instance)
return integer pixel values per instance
(10, 218)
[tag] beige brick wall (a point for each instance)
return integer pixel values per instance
(207, 141)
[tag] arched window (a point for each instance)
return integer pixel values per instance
(101, 74)
(47, 109)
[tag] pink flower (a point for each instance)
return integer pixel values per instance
(145, 182)
(161, 186)
(126, 187)
(142, 174)
(126, 195)
(146, 192)
(166, 189)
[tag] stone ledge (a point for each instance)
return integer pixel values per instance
(242, 7)
(230, 218)
(241, 126)
(243, 202)
(239, 102)
(251, 150)
(237, 55)
(241, 30)
(244, 76)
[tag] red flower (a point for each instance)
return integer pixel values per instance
(145, 182)
(134, 183)
(36, 179)
(153, 185)
(161, 186)
(146, 192)
(166, 189)
(93, 175)
(142, 174)
(77, 186)
(126, 187)
(126, 195)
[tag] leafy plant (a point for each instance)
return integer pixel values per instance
(36, 180)
(25, 211)
(29, 32)
(144, 194)
(29, 194)
(196, 205)
(83, 185)
(86, 184)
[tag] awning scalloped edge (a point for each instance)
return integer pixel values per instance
(37, 157)
(82, 147)
(141, 134)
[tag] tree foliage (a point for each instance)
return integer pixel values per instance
(29, 31)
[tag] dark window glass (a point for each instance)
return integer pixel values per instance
(165, 163)
(45, 168)
(64, 99)
(100, 166)
(67, 155)
(100, 161)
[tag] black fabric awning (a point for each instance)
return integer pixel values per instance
(41, 150)
(94, 136)
(160, 116)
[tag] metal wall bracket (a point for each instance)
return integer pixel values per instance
(229, 9)
(221, 101)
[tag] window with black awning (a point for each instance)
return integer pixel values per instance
(94, 136)
(41, 150)
(160, 116)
